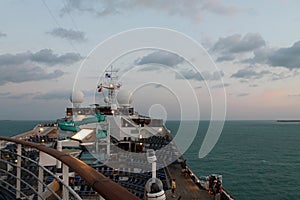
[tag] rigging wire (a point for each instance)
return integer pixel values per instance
(58, 24)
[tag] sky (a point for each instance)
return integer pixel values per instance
(248, 63)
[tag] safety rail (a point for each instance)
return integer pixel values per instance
(101, 184)
(31, 170)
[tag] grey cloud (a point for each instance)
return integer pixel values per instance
(218, 8)
(228, 47)
(47, 56)
(160, 57)
(68, 34)
(205, 75)
(286, 57)
(2, 34)
(20, 96)
(189, 74)
(44, 56)
(238, 44)
(284, 75)
(244, 81)
(54, 95)
(16, 59)
(194, 9)
(260, 56)
(4, 93)
(150, 68)
(253, 85)
(226, 57)
(158, 85)
(250, 73)
(24, 73)
(221, 85)
(242, 94)
(294, 95)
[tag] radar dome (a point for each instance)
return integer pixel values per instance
(106, 99)
(77, 97)
(124, 98)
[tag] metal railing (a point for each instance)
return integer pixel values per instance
(101, 184)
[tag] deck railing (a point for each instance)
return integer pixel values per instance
(101, 184)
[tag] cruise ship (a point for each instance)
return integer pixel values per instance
(106, 151)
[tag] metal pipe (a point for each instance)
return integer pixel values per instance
(100, 183)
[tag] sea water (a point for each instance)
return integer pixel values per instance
(258, 159)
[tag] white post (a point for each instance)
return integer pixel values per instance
(65, 171)
(108, 141)
(59, 148)
(154, 169)
(18, 185)
(40, 182)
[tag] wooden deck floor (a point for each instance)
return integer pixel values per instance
(186, 189)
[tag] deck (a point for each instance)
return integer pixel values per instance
(186, 189)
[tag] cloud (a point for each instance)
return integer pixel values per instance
(287, 57)
(54, 95)
(24, 73)
(4, 93)
(253, 85)
(193, 9)
(260, 56)
(284, 75)
(294, 95)
(250, 73)
(70, 34)
(205, 75)
(160, 57)
(228, 47)
(242, 94)
(157, 85)
(20, 96)
(44, 56)
(220, 85)
(2, 34)
(47, 56)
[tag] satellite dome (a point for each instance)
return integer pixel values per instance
(77, 97)
(106, 99)
(124, 98)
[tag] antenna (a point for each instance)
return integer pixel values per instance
(110, 84)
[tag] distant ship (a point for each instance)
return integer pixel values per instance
(136, 152)
(288, 120)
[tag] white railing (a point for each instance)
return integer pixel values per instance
(36, 187)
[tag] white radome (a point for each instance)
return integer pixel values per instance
(77, 97)
(106, 99)
(124, 98)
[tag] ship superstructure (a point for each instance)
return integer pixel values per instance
(133, 150)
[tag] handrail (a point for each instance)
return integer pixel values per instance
(100, 183)
(36, 177)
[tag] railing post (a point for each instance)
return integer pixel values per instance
(40, 182)
(18, 181)
(59, 148)
(108, 142)
(65, 171)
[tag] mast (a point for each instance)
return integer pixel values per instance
(109, 82)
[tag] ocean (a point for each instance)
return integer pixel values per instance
(258, 159)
